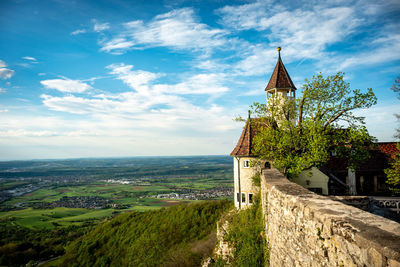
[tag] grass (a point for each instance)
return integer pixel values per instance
(49, 218)
(131, 195)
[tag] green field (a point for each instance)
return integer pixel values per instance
(50, 218)
(111, 191)
(87, 178)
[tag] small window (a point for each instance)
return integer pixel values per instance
(246, 163)
(237, 197)
(243, 197)
(250, 198)
(267, 165)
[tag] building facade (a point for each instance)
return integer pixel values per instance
(333, 179)
(279, 90)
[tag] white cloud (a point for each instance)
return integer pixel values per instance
(30, 58)
(211, 65)
(138, 80)
(3, 110)
(307, 30)
(258, 61)
(143, 82)
(304, 32)
(5, 73)
(79, 31)
(177, 29)
(151, 106)
(117, 45)
(196, 84)
(22, 132)
(385, 48)
(66, 85)
(99, 27)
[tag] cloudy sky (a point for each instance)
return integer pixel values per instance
(135, 78)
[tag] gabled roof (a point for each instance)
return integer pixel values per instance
(280, 77)
(244, 145)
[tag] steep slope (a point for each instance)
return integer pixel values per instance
(175, 236)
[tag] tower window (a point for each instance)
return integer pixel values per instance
(250, 198)
(246, 163)
(243, 197)
(237, 197)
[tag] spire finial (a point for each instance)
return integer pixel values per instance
(279, 51)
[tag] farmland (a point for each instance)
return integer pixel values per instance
(59, 193)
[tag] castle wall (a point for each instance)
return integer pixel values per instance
(306, 229)
(246, 184)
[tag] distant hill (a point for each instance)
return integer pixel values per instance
(177, 236)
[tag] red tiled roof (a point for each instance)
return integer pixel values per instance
(389, 148)
(244, 145)
(379, 159)
(280, 77)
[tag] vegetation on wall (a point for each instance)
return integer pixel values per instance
(302, 133)
(247, 236)
(175, 236)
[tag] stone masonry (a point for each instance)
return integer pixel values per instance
(306, 229)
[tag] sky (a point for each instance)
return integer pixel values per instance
(156, 78)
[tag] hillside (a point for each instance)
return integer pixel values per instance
(177, 236)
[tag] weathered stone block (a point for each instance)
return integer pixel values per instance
(305, 229)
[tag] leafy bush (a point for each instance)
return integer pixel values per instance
(246, 234)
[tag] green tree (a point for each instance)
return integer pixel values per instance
(396, 88)
(299, 134)
(393, 173)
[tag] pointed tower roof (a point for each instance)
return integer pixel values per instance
(244, 147)
(280, 77)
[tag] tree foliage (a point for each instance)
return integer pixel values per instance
(299, 134)
(19, 245)
(175, 236)
(396, 88)
(246, 234)
(393, 173)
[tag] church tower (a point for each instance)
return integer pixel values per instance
(279, 90)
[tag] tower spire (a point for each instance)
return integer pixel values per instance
(280, 78)
(279, 52)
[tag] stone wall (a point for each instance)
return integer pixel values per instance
(246, 183)
(306, 229)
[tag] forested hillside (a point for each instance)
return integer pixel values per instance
(177, 236)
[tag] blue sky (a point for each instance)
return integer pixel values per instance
(136, 78)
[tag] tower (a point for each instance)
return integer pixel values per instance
(280, 88)
(280, 83)
(280, 92)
